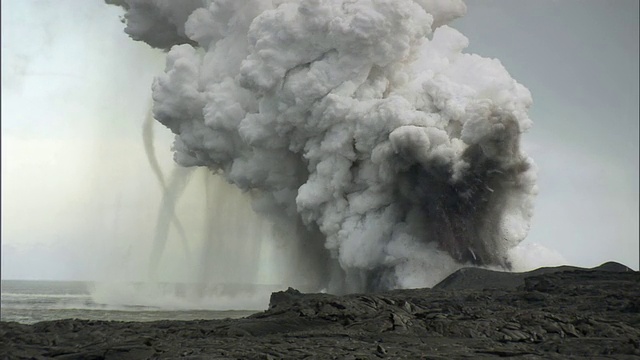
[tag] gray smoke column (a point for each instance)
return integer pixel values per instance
(359, 125)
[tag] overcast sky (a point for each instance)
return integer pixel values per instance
(77, 188)
(579, 59)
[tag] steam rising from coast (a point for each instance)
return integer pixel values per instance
(384, 155)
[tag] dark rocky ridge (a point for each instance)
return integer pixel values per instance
(560, 313)
(477, 278)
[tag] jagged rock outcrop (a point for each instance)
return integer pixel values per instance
(560, 313)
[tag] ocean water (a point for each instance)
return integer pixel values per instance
(33, 301)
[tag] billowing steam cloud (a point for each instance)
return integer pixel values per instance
(358, 126)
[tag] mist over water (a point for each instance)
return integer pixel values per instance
(334, 145)
(215, 262)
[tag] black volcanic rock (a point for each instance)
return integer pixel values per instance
(477, 278)
(550, 313)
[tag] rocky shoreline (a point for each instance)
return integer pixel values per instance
(549, 313)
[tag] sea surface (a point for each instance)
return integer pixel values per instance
(33, 301)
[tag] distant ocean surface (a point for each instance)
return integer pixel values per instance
(33, 301)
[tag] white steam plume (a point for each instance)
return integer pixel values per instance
(391, 156)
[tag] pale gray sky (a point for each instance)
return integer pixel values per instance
(75, 184)
(579, 59)
(77, 189)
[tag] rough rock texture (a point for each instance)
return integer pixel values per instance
(553, 313)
